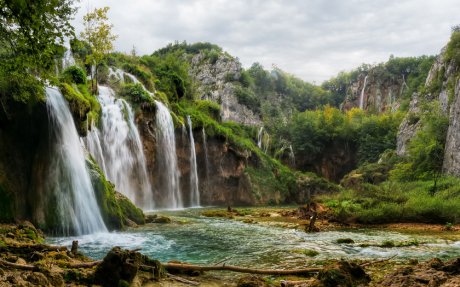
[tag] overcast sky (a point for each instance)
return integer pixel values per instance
(312, 39)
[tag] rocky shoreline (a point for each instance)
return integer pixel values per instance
(25, 260)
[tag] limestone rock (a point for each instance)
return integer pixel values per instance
(215, 78)
(408, 127)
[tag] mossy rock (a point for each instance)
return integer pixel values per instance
(115, 207)
(343, 274)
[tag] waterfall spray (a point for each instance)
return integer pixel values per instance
(68, 178)
(167, 158)
(194, 190)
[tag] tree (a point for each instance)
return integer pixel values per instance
(31, 35)
(98, 33)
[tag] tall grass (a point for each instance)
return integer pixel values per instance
(399, 202)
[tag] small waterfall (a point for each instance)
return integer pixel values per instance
(68, 59)
(194, 190)
(260, 136)
(206, 156)
(93, 145)
(122, 151)
(68, 177)
(169, 175)
(361, 98)
(291, 156)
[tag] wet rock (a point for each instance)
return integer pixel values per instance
(343, 274)
(38, 279)
(150, 218)
(251, 281)
(433, 273)
(130, 223)
(161, 219)
(118, 267)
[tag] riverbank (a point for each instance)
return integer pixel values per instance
(260, 237)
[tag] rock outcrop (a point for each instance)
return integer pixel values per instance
(379, 93)
(215, 76)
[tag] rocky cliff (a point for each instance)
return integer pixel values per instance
(374, 93)
(216, 78)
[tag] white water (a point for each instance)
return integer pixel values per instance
(166, 156)
(206, 156)
(291, 156)
(194, 189)
(361, 98)
(260, 137)
(68, 177)
(67, 59)
(122, 156)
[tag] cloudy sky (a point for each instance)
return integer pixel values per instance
(312, 39)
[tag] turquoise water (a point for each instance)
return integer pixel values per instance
(195, 239)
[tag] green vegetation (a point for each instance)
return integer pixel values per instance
(98, 34)
(116, 209)
(398, 202)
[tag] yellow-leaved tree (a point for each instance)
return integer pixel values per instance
(98, 33)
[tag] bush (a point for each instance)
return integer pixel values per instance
(75, 75)
(135, 93)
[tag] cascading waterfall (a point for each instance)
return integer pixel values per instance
(68, 59)
(167, 158)
(194, 189)
(122, 151)
(68, 178)
(291, 156)
(206, 156)
(260, 135)
(93, 145)
(361, 98)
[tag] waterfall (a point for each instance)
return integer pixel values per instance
(168, 176)
(68, 177)
(206, 156)
(93, 145)
(122, 156)
(291, 156)
(260, 135)
(194, 190)
(67, 59)
(361, 98)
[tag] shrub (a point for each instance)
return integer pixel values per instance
(75, 75)
(135, 93)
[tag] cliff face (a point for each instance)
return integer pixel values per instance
(215, 76)
(374, 92)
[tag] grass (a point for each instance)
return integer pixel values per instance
(394, 202)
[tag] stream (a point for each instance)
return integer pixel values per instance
(196, 239)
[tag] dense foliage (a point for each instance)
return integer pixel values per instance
(30, 36)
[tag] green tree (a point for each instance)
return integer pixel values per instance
(31, 35)
(426, 150)
(98, 34)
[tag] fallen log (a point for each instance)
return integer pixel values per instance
(18, 266)
(191, 267)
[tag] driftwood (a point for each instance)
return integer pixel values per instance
(191, 267)
(18, 266)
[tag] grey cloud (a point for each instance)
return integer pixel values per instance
(312, 39)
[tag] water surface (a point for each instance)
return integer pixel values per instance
(195, 239)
